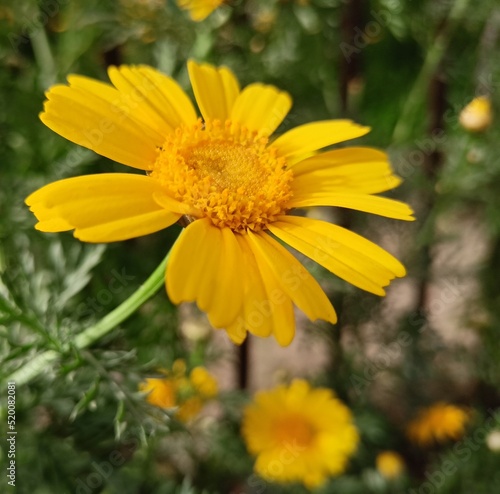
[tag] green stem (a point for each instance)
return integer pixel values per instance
(90, 335)
(431, 62)
(43, 57)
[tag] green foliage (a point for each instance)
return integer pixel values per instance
(82, 426)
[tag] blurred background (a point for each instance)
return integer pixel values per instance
(409, 70)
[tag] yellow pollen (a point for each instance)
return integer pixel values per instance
(226, 173)
(293, 429)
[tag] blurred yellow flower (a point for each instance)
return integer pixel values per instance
(161, 392)
(390, 464)
(199, 9)
(299, 434)
(438, 423)
(203, 382)
(177, 390)
(234, 189)
(477, 115)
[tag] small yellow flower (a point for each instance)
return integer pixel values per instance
(438, 423)
(203, 382)
(199, 9)
(390, 464)
(477, 115)
(177, 390)
(161, 392)
(299, 434)
(235, 188)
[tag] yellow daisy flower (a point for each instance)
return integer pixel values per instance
(390, 464)
(231, 185)
(199, 9)
(438, 424)
(299, 434)
(177, 390)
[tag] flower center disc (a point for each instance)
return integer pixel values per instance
(226, 173)
(294, 430)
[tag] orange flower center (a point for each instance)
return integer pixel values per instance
(294, 430)
(225, 173)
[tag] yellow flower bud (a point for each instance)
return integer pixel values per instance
(493, 441)
(477, 115)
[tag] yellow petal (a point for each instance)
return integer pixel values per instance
(87, 118)
(199, 9)
(317, 135)
(215, 89)
(344, 253)
(97, 88)
(340, 157)
(205, 267)
(155, 97)
(101, 208)
(175, 206)
(280, 305)
(237, 332)
(90, 186)
(365, 179)
(177, 107)
(382, 206)
(190, 260)
(125, 104)
(256, 316)
(261, 108)
(362, 170)
(294, 279)
(132, 227)
(229, 293)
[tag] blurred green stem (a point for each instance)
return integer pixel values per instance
(431, 62)
(43, 57)
(90, 335)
